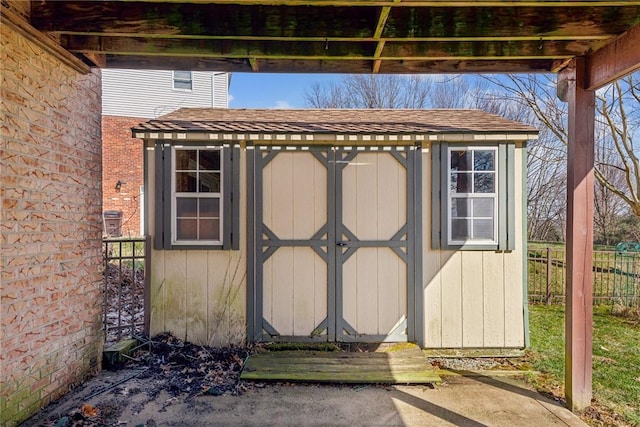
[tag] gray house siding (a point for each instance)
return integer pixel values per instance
(150, 93)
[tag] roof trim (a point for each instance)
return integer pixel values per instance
(337, 139)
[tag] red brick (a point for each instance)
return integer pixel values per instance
(122, 158)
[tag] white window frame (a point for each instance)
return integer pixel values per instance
(451, 196)
(175, 195)
(183, 80)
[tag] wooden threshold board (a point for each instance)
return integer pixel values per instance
(339, 367)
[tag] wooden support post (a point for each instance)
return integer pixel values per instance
(580, 185)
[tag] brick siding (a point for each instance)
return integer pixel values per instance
(122, 161)
(50, 227)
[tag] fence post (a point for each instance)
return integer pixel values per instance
(548, 296)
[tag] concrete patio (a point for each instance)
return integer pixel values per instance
(461, 401)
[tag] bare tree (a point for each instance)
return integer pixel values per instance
(546, 162)
(618, 125)
(371, 91)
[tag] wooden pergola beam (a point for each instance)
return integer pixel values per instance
(580, 206)
(617, 59)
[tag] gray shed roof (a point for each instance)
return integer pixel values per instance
(254, 124)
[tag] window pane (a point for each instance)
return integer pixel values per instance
(182, 75)
(186, 182)
(179, 84)
(483, 160)
(460, 208)
(186, 160)
(483, 207)
(182, 80)
(483, 229)
(210, 160)
(186, 206)
(187, 229)
(460, 182)
(484, 183)
(210, 208)
(209, 182)
(210, 229)
(460, 161)
(460, 229)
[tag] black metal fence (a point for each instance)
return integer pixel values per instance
(126, 299)
(547, 272)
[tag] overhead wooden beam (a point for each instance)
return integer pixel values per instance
(254, 65)
(580, 205)
(530, 48)
(386, 50)
(602, 38)
(18, 24)
(326, 66)
(96, 59)
(618, 58)
(382, 20)
(412, 3)
(462, 67)
(305, 20)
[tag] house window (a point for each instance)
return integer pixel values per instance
(182, 80)
(197, 189)
(197, 196)
(472, 196)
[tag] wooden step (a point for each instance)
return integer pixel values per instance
(339, 367)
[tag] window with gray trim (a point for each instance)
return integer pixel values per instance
(473, 196)
(197, 200)
(196, 196)
(182, 80)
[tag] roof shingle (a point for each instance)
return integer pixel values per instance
(332, 121)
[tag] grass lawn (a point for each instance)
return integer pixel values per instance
(616, 362)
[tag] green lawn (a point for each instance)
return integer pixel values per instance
(616, 360)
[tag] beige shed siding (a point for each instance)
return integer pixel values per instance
(472, 299)
(198, 295)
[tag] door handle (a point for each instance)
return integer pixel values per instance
(341, 244)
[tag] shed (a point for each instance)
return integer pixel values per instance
(338, 225)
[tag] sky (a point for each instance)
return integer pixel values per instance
(262, 90)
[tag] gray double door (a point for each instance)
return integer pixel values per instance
(333, 244)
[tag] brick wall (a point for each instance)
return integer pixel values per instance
(50, 226)
(122, 161)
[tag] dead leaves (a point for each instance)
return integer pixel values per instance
(195, 369)
(89, 411)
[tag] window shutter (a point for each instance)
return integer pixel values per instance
(235, 198)
(159, 196)
(436, 191)
(511, 197)
(502, 197)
